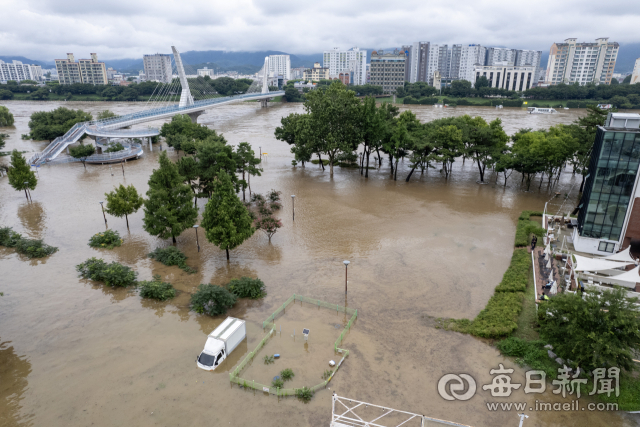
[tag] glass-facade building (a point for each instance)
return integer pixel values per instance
(609, 187)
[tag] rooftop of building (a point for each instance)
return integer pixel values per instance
(628, 122)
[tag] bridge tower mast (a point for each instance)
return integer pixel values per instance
(185, 97)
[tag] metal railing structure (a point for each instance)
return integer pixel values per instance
(234, 376)
(133, 150)
(353, 413)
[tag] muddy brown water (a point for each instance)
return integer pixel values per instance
(74, 352)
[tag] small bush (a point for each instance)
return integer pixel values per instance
(29, 247)
(156, 289)
(9, 238)
(277, 383)
(305, 394)
(246, 287)
(34, 248)
(172, 256)
(268, 360)
(327, 374)
(212, 300)
(287, 374)
(526, 227)
(274, 196)
(529, 353)
(113, 274)
(499, 318)
(113, 148)
(107, 240)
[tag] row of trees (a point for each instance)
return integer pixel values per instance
(589, 91)
(336, 123)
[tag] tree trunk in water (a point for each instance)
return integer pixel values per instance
(320, 159)
(330, 166)
(366, 172)
(391, 163)
(25, 194)
(249, 184)
(127, 218)
(174, 239)
(481, 169)
(410, 173)
(362, 161)
(395, 172)
(227, 254)
(505, 179)
(379, 158)
(582, 184)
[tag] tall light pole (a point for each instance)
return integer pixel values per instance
(103, 214)
(346, 268)
(293, 200)
(197, 241)
(260, 148)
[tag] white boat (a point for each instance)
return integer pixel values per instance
(536, 110)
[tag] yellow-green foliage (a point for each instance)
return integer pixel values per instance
(516, 276)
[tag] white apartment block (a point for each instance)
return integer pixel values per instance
(500, 56)
(510, 77)
(280, 65)
(635, 76)
(470, 56)
(572, 62)
(157, 67)
(18, 71)
(353, 61)
(88, 71)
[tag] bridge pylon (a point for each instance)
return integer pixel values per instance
(186, 99)
(265, 76)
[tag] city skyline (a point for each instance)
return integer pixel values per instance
(44, 30)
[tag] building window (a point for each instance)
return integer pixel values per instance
(606, 247)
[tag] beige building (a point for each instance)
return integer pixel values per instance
(88, 71)
(316, 73)
(635, 77)
(388, 69)
(508, 77)
(572, 62)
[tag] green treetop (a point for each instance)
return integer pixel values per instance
(48, 125)
(21, 177)
(226, 220)
(81, 152)
(6, 118)
(123, 201)
(168, 210)
(247, 163)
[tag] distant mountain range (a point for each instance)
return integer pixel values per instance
(251, 62)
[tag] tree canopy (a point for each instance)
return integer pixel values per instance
(81, 152)
(123, 201)
(6, 118)
(48, 125)
(21, 177)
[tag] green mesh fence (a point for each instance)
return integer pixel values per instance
(234, 376)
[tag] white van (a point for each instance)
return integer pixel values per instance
(221, 342)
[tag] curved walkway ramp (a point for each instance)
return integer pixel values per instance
(93, 130)
(131, 152)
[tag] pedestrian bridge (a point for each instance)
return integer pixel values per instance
(155, 110)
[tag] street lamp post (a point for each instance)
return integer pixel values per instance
(103, 214)
(346, 267)
(293, 200)
(197, 241)
(260, 148)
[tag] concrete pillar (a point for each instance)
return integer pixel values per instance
(194, 116)
(264, 103)
(150, 145)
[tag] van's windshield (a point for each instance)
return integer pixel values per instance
(206, 359)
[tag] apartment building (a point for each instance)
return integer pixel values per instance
(68, 70)
(635, 76)
(92, 71)
(316, 73)
(18, 71)
(206, 72)
(510, 77)
(572, 62)
(280, 65)
(353, 61)
(500, 56)
(298, 73)
(157, 67)
(470, 56)
(388, 70)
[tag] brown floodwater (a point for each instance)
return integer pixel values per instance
(73, 352)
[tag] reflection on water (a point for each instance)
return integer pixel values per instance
(432, 247)
(14, 371)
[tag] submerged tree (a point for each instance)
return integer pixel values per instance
(123, 201)
(226, 220)
(48, 125)
(81, 152)
(21, 177)
(168, 210)
(6, 118)
(247, 163)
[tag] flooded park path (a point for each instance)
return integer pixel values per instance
(76, 353)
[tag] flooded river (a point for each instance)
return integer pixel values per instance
(75, 353)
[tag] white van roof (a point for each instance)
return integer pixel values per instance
(226, 328)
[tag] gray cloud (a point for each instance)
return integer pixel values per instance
(46, 29)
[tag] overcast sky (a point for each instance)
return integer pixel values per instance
(48, 29)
